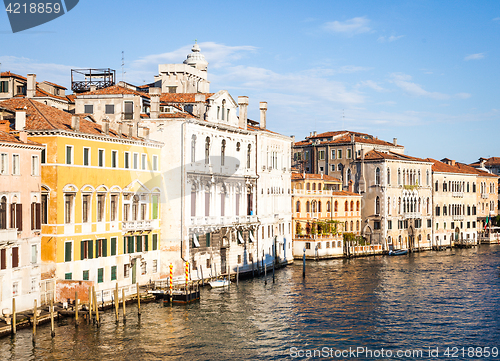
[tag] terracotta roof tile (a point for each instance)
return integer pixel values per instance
(181, 97)
(8, 74)
(376, 155)
(344, 136)
(11, 138)
(54, 85)
(115, 90)
(324, 177)
(42, 93)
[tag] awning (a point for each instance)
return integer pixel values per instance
(240, 239)
(252, 239)
(195, 241)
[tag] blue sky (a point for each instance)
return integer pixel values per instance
(425, 72)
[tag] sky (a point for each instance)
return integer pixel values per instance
(425, 72)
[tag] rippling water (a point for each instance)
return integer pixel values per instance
(432, 299)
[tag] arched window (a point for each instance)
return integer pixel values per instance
(3, 213)
(297, 206)
(135, 208)
(223, 152)
(207, 150)
(346, 206)
(349, 175)
(377, 205)
(328, 206)
(352, 206)
(346, 226)
(314, 186)
(428, 180)
(377, 176)
(428, 205)
(319, 206)
(388, 176)
(223, 107)
(399, 205)
(308, 207)
(352, 226)
(249, 155)
(419, 180)
(357, 226)
(388, 205)
(399, 176)
(193, 148)
(308, 186)
(357, 206)
(336, 206)
(404, 177)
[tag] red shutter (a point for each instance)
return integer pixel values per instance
(13, 215)
(32, 216)
(15, 257)
(3, 259)
(19, 216)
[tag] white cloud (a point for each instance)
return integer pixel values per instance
(352, 26)
(463, 95)
(370, 84)
(388, 39)
(496, 19)
(352, 69)
(403, 82)
(474, 56)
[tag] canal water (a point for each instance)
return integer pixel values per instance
(444, 302)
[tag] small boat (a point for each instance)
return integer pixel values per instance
(398, 252)
(219, 283)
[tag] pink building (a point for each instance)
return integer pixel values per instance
(20, 218)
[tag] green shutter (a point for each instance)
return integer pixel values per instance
(155, 207)
(67, 252)
(155, 242)
(113, 246)
(91, 249)
(105, 248)
(208, 239)
(146, 241)
(82, 249)
(113, 273)
(138, 240)
(125, 239)
(86, 275)
(131, 244)
(68, 276)
(100, 275)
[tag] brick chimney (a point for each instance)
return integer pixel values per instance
(75, 123)
(243, 103)
(395, 141)
(154, 94)
(31, 86)
(105, 123)
(20, 119)
(23, 136)
(263, 110)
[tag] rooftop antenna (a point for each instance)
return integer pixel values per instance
(123, 65)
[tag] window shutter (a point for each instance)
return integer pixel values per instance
(33, 216)
(155, 242)
(125, 245)
(15, 257)
(104, 247)
(38, 220)
(3, 259)
(13, 215)
(113, 246)
(138, 240)
(19, 216)
(82, 250)
(91, 249)
(146, 241)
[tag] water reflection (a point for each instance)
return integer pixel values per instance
(429, 299)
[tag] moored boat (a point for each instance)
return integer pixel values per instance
(219, 283)
(398, 252)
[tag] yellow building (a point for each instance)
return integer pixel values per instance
(321, 214)
(100, 199)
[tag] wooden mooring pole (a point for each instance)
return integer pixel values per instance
(237, 274)
(96, 308)
(34, 320)
(138, 300)
(76, 308)
(52, 330)
(117, 302)
(304, 264)
(13, 323)
(124, 306)
(265, 273)
(90, 304)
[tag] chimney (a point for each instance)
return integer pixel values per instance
(315, 134)
(154, 94)
(20, 119)
(4, 126)
(482, 163)
(31, 86)
(23, 136)
(243, 103)
(263, 109)
(106, 126)
(352, 138)
(75, 123)
(145, 132)
(395, 141)
(452, 162)
(93, 87)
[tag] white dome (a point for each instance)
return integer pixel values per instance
(196, 59)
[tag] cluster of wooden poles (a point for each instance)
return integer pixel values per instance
(93, 310)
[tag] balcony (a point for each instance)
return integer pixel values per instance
(137, 225)
(458, 217)
(301, 192)
(222, 221)
(412, 215)
(484, 195)
(458, 194)
(9, 234)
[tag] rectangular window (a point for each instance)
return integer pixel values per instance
(100, 275)
(113, 273)
(208, 239)
(136, 161)
(34, 254)
(113, 246)
(429, 223)
(45, 208)
(110, 109)
(68, 208)
(155, 162)
(155, 266)
(88, 109)
(349, 154)
(143, 268)
(333, 154)
(68, 276)
(101, 246)
(129, 110)
(143, 161)
(4, 86)
(155, 242)
(35, 216)
(321, 155)
(126, 160)
(43, 156)
(3, 258)
(389, 224)
(35, 166)
(86, 275)
(86, 249)
(101, 158)
(16, 170)
(339, 154)
(376, 225)
(155, 206)
(4, 163)
(86, 156)
(69, 154)
(138, 243)
(126, 270)
(68, 248)
(114, 159)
